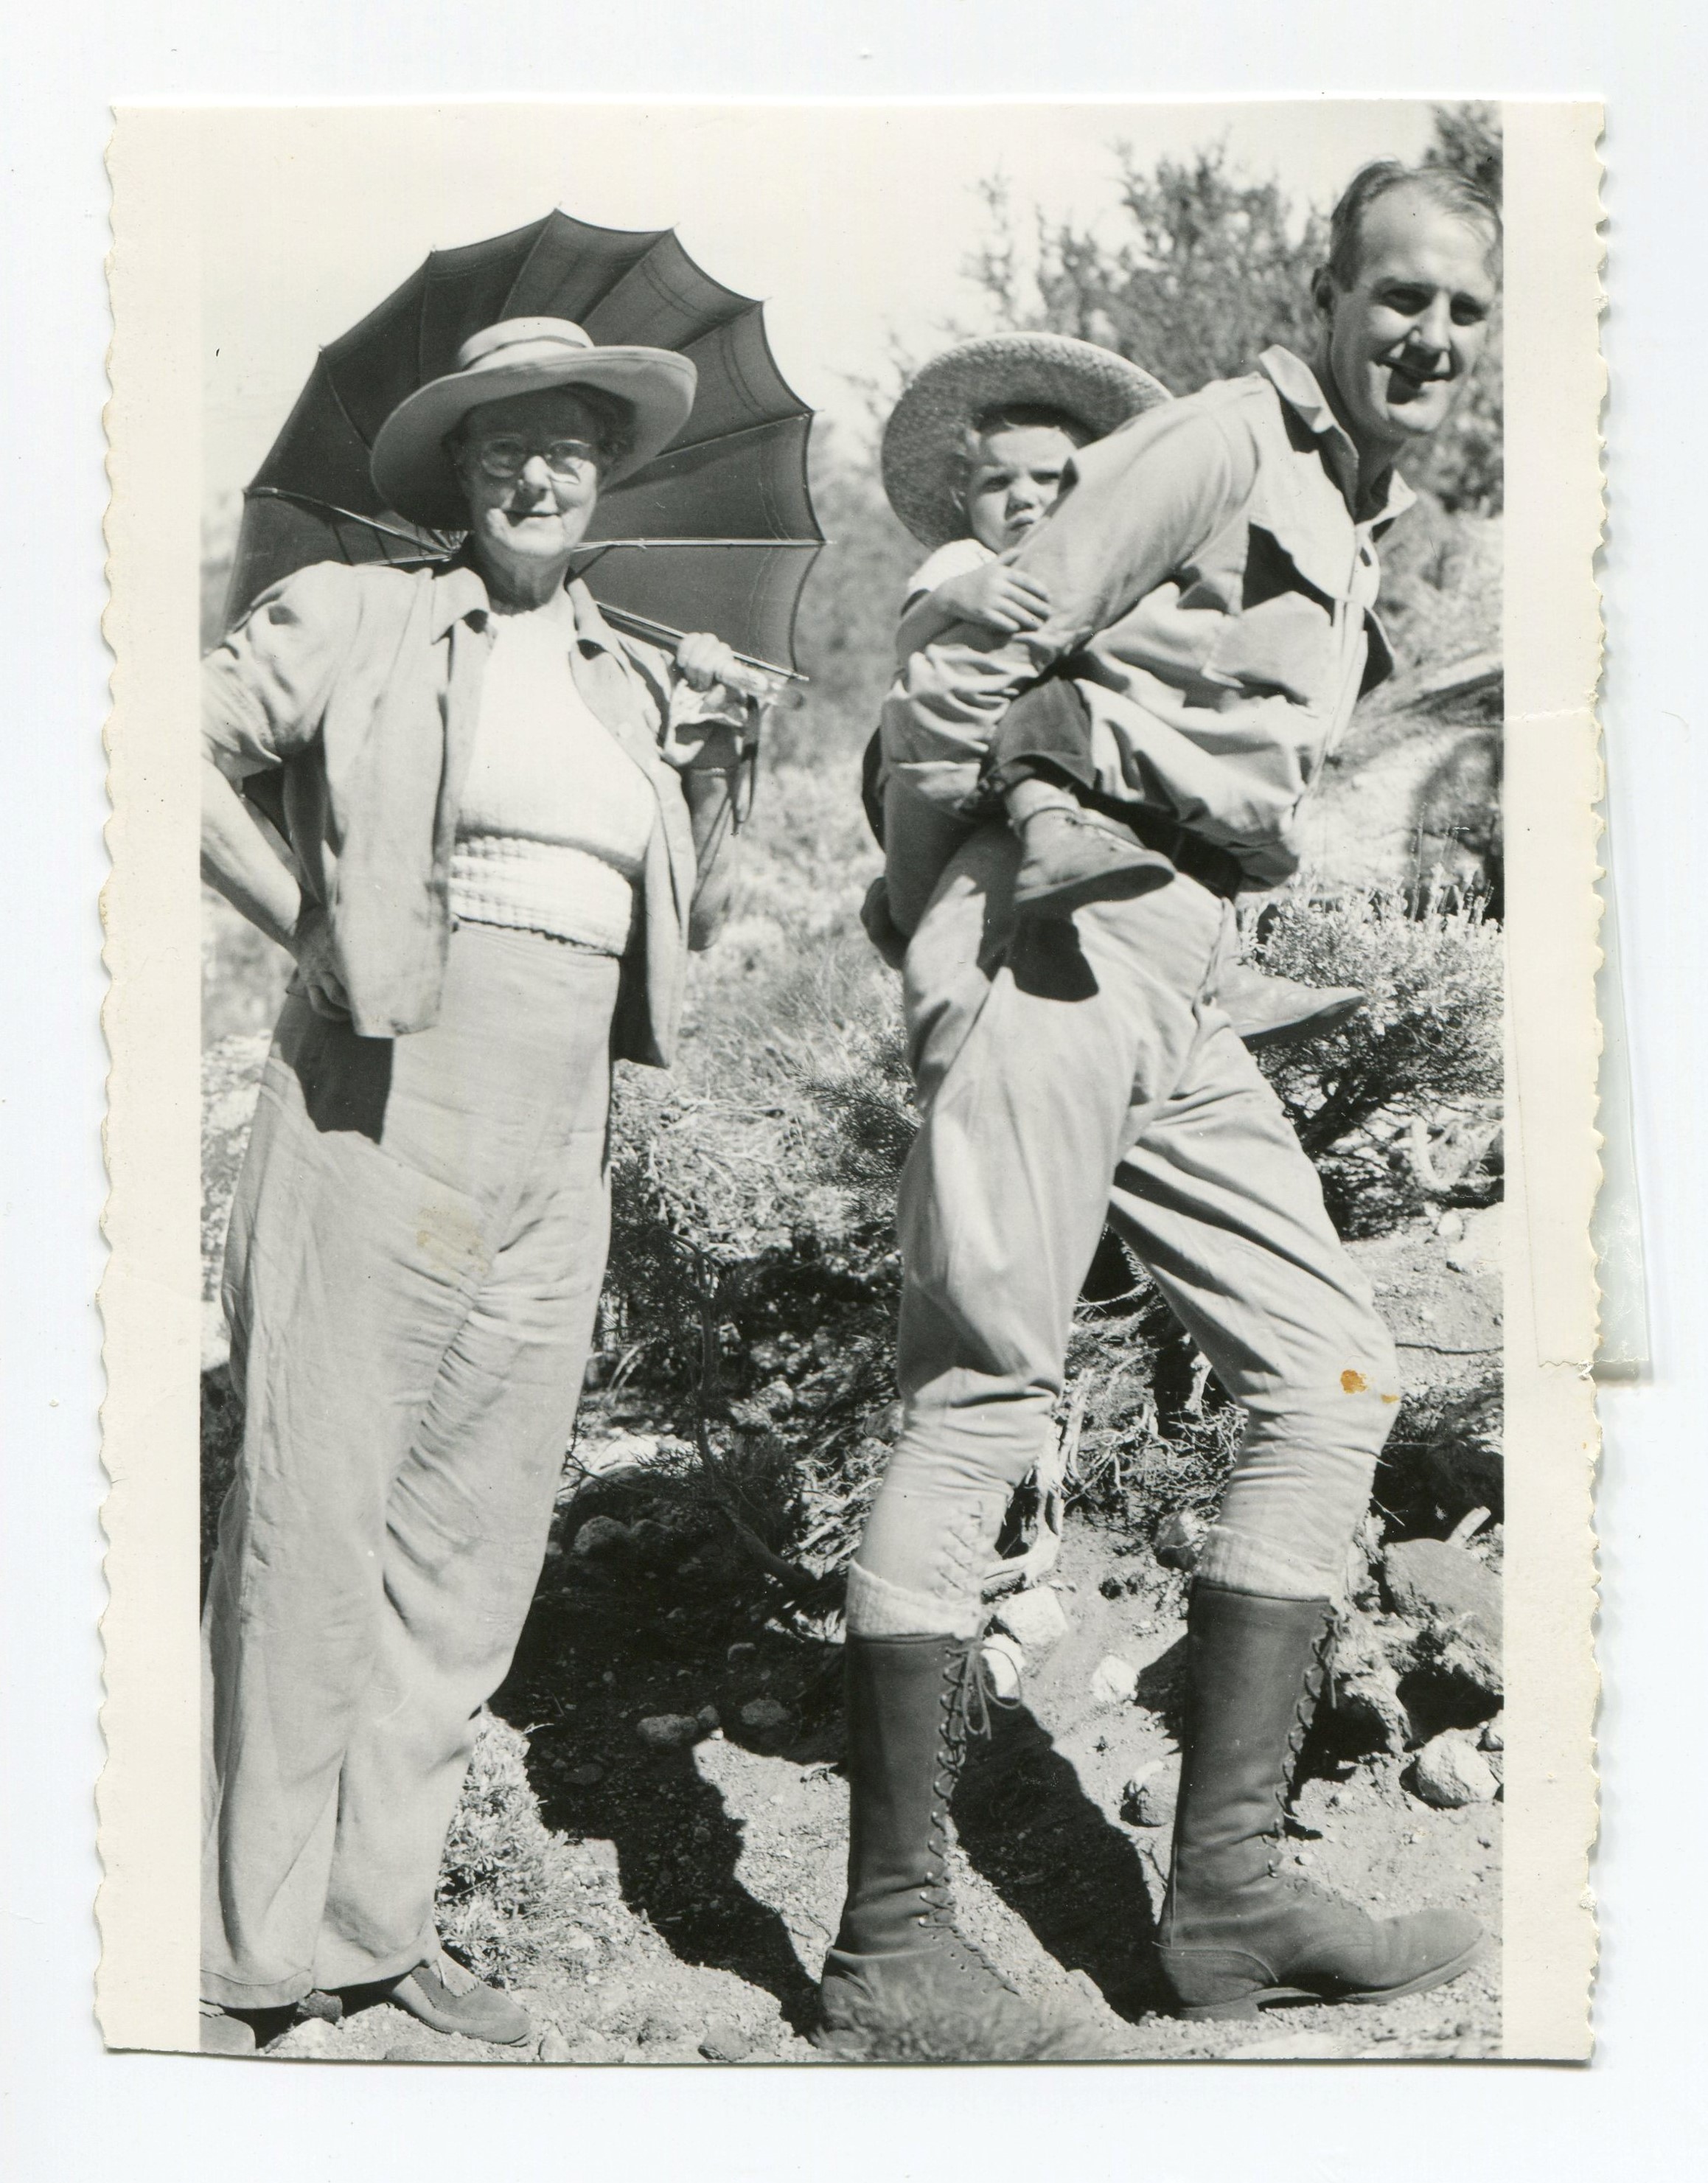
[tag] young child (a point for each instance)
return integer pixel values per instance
(974, 457)
(1014, 459)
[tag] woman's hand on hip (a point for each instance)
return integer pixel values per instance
(317, 969)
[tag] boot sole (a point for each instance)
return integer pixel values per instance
(1252, 2004)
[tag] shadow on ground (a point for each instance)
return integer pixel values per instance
(1027, 1827)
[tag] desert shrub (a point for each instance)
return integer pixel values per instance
(1429, 1042)
(753, 1278)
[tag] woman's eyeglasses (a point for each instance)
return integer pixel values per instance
(502, 459)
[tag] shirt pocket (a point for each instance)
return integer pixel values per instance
(1277, 640)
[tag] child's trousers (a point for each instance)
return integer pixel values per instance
(1069, 1074)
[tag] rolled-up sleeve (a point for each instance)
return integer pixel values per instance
(1135, 507)
(265, 688)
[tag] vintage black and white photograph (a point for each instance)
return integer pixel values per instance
(856, 961)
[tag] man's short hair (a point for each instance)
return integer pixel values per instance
(1446, 187)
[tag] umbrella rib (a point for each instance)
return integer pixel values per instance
(361, 438)
(331, 508)
(737, 432)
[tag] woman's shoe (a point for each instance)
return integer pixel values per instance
(442, 1994)
(1235, 1935)
(899, 1970)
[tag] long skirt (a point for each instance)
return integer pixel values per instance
(416, 1250)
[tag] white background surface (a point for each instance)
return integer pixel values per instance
(70, 2111)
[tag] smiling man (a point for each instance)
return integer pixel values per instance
(1222, 551)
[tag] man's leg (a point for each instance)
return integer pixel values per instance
(1220, 1202)
(1026, 1045)
(1025, 1048)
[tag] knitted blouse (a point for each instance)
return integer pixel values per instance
(554, 816)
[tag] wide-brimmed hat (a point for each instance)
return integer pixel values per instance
(413, 474)
(925, 441)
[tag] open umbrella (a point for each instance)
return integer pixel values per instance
(717, 533)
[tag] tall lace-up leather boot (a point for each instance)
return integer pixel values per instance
(898, 1961)
(1236, 1934)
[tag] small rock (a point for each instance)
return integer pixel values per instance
(622, 1451)
(1036, 1619)
(707, 1718)
(1289, 2047)
(725, 2040)
(313, 2040)
(585, 1777)
(1005, 1664)
(1178, 1539)
(1147, 1802)
(1114, 1681)
(600, 1536)
(1494, 1735)
(765, 1715)
(1365, 1686)
(658, 2030)
(652, 1543)
(580, 1943)
(1450, 1772)
(667, 1731)
(1477, 1246)
(739, 1655)
(553, 2046)
(591, 2047)
(1456, 1600)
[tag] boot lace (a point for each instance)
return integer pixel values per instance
(966, 1699)
(1317, 1679)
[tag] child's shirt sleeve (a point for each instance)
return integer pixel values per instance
(957, 558)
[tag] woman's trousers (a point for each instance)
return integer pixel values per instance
(416, 1250)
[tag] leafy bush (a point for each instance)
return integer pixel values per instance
(1429, 1040)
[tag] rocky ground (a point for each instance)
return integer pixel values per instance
(672, 1766)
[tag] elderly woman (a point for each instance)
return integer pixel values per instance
(504, 820)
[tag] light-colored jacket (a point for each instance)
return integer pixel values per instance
(1211, 592)
(346, 701)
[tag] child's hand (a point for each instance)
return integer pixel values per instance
(1002, 597)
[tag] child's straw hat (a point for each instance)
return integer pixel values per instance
(924, 442)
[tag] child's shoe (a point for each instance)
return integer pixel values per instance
(1069, 855)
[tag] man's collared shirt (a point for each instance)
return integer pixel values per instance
(358, 690)
(1210, 590)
